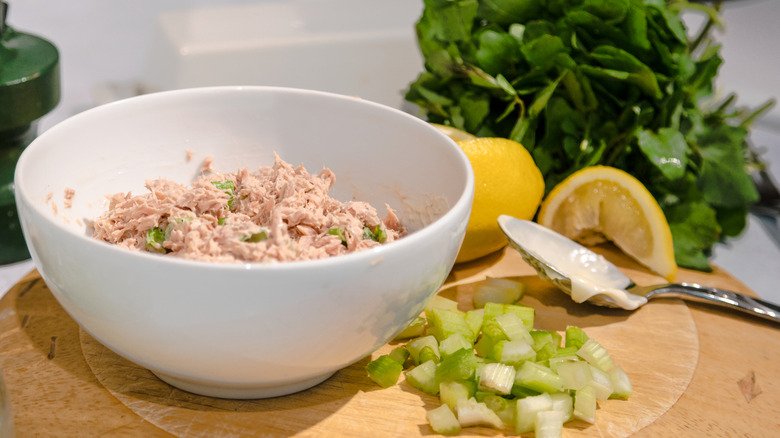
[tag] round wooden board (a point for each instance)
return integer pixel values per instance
(349, 404)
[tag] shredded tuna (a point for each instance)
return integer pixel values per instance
(68, 202)
(278, 213)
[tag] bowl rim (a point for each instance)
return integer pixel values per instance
(438, 225)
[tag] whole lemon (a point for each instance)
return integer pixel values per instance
(506, 181)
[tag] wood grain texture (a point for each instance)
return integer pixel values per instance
(685, 362)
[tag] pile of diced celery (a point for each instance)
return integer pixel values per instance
(490, 367)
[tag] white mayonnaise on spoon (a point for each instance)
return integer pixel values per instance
(559, 258)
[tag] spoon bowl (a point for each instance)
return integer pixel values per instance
(587, 276)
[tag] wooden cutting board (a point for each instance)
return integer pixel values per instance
(685, 362)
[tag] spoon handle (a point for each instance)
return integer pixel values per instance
(721, 297)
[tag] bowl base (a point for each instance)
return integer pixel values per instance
(243, 392)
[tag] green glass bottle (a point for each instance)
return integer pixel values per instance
(29, 89)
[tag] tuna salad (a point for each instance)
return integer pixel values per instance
(278, 213)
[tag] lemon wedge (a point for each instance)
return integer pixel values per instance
(601, 203)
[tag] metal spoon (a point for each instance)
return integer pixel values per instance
(524, 237)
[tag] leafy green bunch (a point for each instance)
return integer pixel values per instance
(586, 82)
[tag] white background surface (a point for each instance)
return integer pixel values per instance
(105, 48)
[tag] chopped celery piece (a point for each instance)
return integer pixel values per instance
(596, 355)
(222, 221)
(525, 313)
(566, 351)
(454, 343)
(443, 420)
(416, 346)
(446, 322)
(544, 353)
(440, 302)
(414, 329)
(546, 337)
(494, 402)
(538, 378)
(621, 384)
(256, 237)
(460, 365)
(451, 392)
(227, 187)
(473, 413)
(563, 402)
(548, 424)
(427, 353)
(339, 232)
(378, 234)
(575, 337)
(601, 383)
(497, 377)
(384, 370)
(514, 327)
(526, 409)
(474, 320)
(505, 409)
(512, 352)
(575, 374)
(400, 355)
(491, 334)
(554, 361)
(522, 392)
(585, 405)
(423, 377)
(497, 290)
(155, 238)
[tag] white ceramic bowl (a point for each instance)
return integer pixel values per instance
(243, 330)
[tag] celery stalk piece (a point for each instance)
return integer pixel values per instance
(621, 384)
(538, 377)
(548, 424)
(446, 322)
(416, 346)
(491, 334)
(525, 417)
(575, 337)
(563, 402)
(227, 187)
(451, 392)
(384, 370)
(505, 409)
(427, 353)
(596, 355)
(454, 343)
(423, 377)
(554, 361)
(525, 313)
(601, 383)
(400, 355)
(460, 365)
(497, 290)
(497, 377)
(585, 404)
(522, 392)
(155, 238)
(415, 329)
(443, 420)
(575, 375)
(544, 337)
(514, 328)
(512, 352)
(439, 302)
(544, 354)
(474, 319)
(473, 413)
